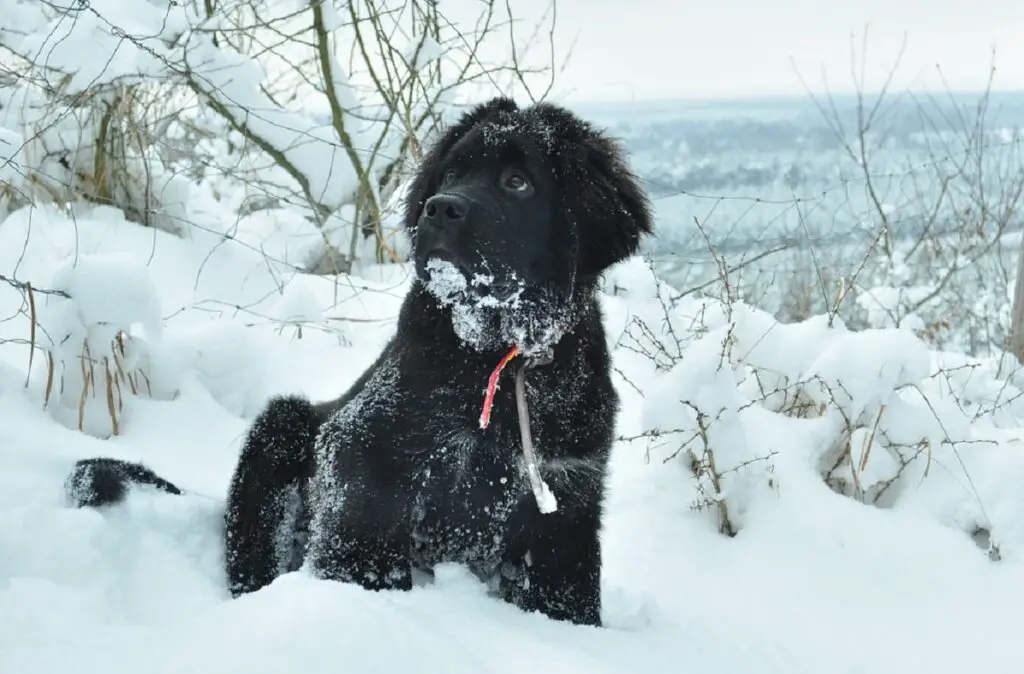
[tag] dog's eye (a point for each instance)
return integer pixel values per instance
(516, 182)
(449, 176)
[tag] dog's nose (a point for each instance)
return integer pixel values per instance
(446, 209)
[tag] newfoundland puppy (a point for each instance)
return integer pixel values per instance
(513, 214)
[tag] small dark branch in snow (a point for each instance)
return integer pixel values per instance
(657, 433)
(649, 345)
(749, 462)
(653, 433)
(24, 287)
(922, 447)
(705, 465)
(618, 370)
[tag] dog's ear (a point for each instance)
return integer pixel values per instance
(618, 212)
(424, 182)
(602, 195)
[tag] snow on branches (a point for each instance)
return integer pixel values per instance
(100, 327)
(754, 407)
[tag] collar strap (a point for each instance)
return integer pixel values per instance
(492, 387)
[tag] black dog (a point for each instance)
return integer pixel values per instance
(514, 214)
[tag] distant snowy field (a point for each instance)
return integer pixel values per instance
(814, 581)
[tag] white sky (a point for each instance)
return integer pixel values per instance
(644, 49)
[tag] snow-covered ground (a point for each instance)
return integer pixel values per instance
(814, 581)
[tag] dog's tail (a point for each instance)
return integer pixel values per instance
(104, 481)
(267, 513)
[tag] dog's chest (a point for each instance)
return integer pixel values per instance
(465, 489)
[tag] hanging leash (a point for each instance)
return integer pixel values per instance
(546, 501)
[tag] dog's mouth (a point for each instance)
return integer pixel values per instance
(496, 311)
(500, 290)
(443, 254)
(449, 279)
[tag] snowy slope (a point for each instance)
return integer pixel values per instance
(814, 581)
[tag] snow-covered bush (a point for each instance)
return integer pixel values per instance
(751, 405)
(313, 107)
(99, 327)
(93, 144)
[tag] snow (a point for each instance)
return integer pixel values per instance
(470, 308)
(489, 312)
(69, 35)
(233, 82)
(423, 53)
(138, 587)
(109, 290)
(786, 497)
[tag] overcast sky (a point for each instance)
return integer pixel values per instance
(644, 49)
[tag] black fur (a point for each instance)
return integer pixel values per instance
(396, 475)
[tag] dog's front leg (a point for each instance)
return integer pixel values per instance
(556, 557)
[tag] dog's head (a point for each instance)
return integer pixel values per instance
(514, 213)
